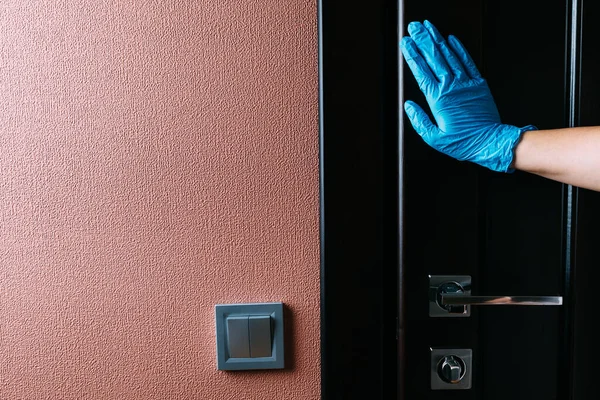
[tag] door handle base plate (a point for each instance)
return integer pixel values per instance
(435, 281)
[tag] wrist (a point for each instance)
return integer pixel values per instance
(520, 144)
(527, 152)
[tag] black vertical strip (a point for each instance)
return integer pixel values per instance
(392, 206)
(358, 197)
(566, 388)
(401, 321)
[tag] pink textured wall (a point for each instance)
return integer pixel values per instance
(157, 157)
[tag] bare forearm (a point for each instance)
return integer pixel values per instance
(569, 155)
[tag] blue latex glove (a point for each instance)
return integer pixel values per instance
(468, 124)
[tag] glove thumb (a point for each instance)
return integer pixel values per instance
(419, 120)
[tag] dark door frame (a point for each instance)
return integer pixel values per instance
(360, 200)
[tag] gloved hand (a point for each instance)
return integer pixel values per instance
(468, 124)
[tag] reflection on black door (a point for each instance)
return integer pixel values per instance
(513, 234)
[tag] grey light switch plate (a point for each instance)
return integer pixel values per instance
(261, 348)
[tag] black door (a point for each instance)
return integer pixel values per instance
(396, 214)
(467, 228)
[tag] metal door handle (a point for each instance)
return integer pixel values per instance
(450, 296)
(459, 299)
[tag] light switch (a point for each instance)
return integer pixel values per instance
(249, 336)
(238, 342)
(259, 327)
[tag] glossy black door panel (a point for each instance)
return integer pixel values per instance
(506, 231)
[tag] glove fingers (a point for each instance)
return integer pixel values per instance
(453, 62)
(420, 120)
(463, 55)
(429, 49)
(417, 64)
